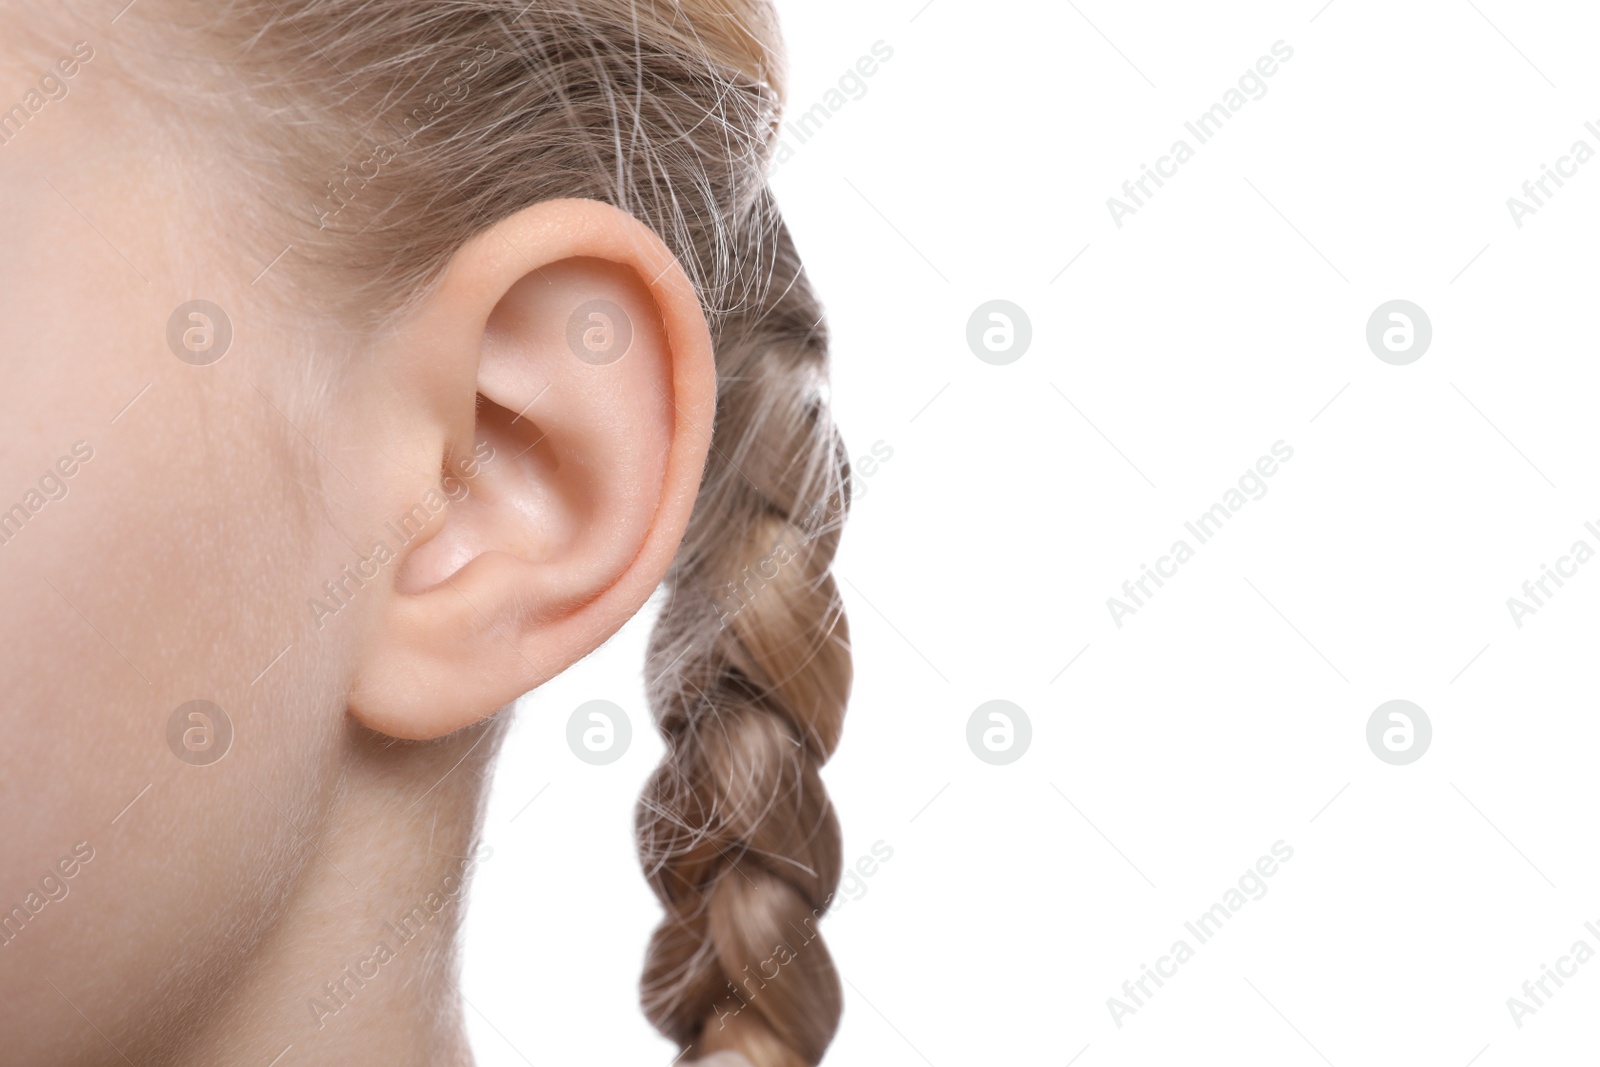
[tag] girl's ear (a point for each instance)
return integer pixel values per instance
(559, 386)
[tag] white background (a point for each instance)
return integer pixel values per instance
(1230, 712)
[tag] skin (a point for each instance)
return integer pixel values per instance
(182, 559)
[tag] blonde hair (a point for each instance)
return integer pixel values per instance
(415, 124)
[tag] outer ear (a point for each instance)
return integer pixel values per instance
(559, 386)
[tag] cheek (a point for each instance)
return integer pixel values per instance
(176, 568)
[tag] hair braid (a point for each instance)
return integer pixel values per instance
(736, 832)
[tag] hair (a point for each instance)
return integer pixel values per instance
(407, 127)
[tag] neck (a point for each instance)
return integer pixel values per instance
(361, 967)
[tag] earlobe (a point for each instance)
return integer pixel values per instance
(561, 380)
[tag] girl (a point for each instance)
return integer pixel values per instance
(368, 363)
